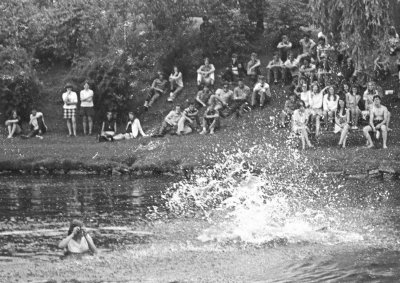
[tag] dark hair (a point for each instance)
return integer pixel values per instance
(375, 97)
(74, 223)
(340, 108)
(192, 102)
(302, 103)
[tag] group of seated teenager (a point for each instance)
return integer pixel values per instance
(37, 126)
(338, 109)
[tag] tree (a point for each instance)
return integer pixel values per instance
(363, 24)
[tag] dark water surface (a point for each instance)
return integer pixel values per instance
(34, 212)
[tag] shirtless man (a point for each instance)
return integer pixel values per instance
(377, 122)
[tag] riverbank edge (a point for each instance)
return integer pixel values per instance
(137, 167)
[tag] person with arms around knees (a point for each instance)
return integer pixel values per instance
(299, 124)
(210, 120)
(274, 69)
(158, 88)
(261, 90)
(241, 94)
(222, 98)
(78, 240)
(205, 74)
(253, 68)
(187, 122)
(235, 70)
(70, 99)
(342, 119)
(202, 97)
(13, 124)
(290, 106)
(170, 123)
(108, 128)
(132, 130)
(377, 123)
(87, 112)
(176, 84)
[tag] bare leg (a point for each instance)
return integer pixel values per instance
(343, 136)
(384, 136)
(90, 120)
(69, 127)
(303, 140)
(73, 120)
(84, 124)
(137, 128)
(262, 98)
(253, 98)
(154, 98)
(366, 131)
(317, 125)
(388, 120)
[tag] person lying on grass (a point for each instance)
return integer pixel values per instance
(78, 240)
(108, 128)
(299, 124)
(132, 130)
(186, 124)
(37, 125)
(170, 123)
(290, 106)
(377, 123)
(210, 120)
(13, 124)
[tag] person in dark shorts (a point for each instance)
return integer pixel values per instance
(37, 125)
(87, 111)
(202, 97)
(108, 128)
(377, 123)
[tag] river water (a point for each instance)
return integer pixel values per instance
(254, 225)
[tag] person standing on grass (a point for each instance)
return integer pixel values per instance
(70, 101)
(176, 83)
(299, 124)
(158, 88)
(78, 240)
(377, 123)
(13, 124)
(87, 112)
(132, 130)
(342, 120)
(210, 120)
(262, 90)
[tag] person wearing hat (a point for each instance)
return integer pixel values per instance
(157, 89)
(78, 240)
(70, 101)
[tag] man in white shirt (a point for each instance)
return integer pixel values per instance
(37, 125)
(205, 74)
(222, 97)
(262, 90)
(171, 121)
(87, 111)
(70, 101)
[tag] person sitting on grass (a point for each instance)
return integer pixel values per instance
(253, 68)
(368, 98)
(274, 69)
(176, 84)
(262, 90)
(352, 100)
(381, 66)
(291, 68)
(13, 124)
(307, 70)
(342, 119)
(222, 98)
(316, 107)
(87, 112)
(323, 48)
(235, 70)
(70, 101)
(290, 106)
(299, 124)
(187, 122)
(202, 97)
(132, 130)
(78, 240)
(108, 128)
(205, 74)
(37, 125)
(210, 120)
(241, 94)
(323, 71)
(377, 123)
(304, 95)
(307, 44)
(284, 48)
(330, 105)
(170, 123)
(158, 88)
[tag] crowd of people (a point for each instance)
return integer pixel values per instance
(326, 93)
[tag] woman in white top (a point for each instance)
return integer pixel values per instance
(176, 83)
(87, 112)
(77, 241)
(304, 94)
(70, 101)
(330, 105)
(132, 130)
(299, 124)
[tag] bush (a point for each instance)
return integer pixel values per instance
(19, 85)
